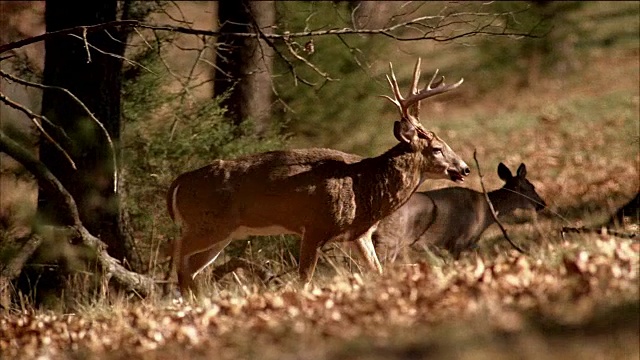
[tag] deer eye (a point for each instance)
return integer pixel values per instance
(436, 151)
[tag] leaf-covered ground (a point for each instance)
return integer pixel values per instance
(566, 300)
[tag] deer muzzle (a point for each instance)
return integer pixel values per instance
(458, 173)
(540, 205)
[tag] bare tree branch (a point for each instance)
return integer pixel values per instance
(74, 30)
(386, 31)
(493, 211)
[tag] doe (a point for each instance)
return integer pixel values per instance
(453, 218)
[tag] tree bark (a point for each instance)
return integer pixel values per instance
(245, 64)
(94, 77)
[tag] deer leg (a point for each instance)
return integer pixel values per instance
(185, 281)
(195, 251)
(200, 260)
(368, 252)
(308, 255)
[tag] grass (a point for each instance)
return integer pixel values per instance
(576, 297)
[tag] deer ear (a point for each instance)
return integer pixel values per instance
(503, 172)
(522, 171)
(405, 132)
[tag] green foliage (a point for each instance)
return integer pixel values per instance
(324, 112)
(551, 50)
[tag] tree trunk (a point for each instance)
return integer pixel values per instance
(245, 65)
(94, 78)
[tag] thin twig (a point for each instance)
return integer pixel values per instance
(36, 119)
(176, 76)
(119, 57)
(277, 51)
(293, 52)
(493, 211)
(86, 45)
(84, 107)
(185, 90)
(264, 36)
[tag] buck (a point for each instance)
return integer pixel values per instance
(322, 195)
(453, 218)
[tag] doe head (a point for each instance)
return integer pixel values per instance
(528, 197)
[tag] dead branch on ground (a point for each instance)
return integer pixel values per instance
(112, 267)
(602, 231)
(12, 268)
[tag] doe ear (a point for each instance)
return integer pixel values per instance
(522, 170)
(503, 172)
(405, 132)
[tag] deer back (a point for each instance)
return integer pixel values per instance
(256, 189)
(441, 217)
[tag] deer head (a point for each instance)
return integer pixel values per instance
(525, 193)
(440, 160)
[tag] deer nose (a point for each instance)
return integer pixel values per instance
(465, 170)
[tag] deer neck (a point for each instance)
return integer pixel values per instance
(390, 179)
(503, 201)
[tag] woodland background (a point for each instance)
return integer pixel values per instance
(560, 94)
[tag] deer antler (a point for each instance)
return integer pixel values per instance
(434, 87)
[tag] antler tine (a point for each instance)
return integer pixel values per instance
(413, 99)
(394, 101)
(394, 84)
(399, 100)
(414, 86)
(433, 78)
(416, 77)
(431, 90)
